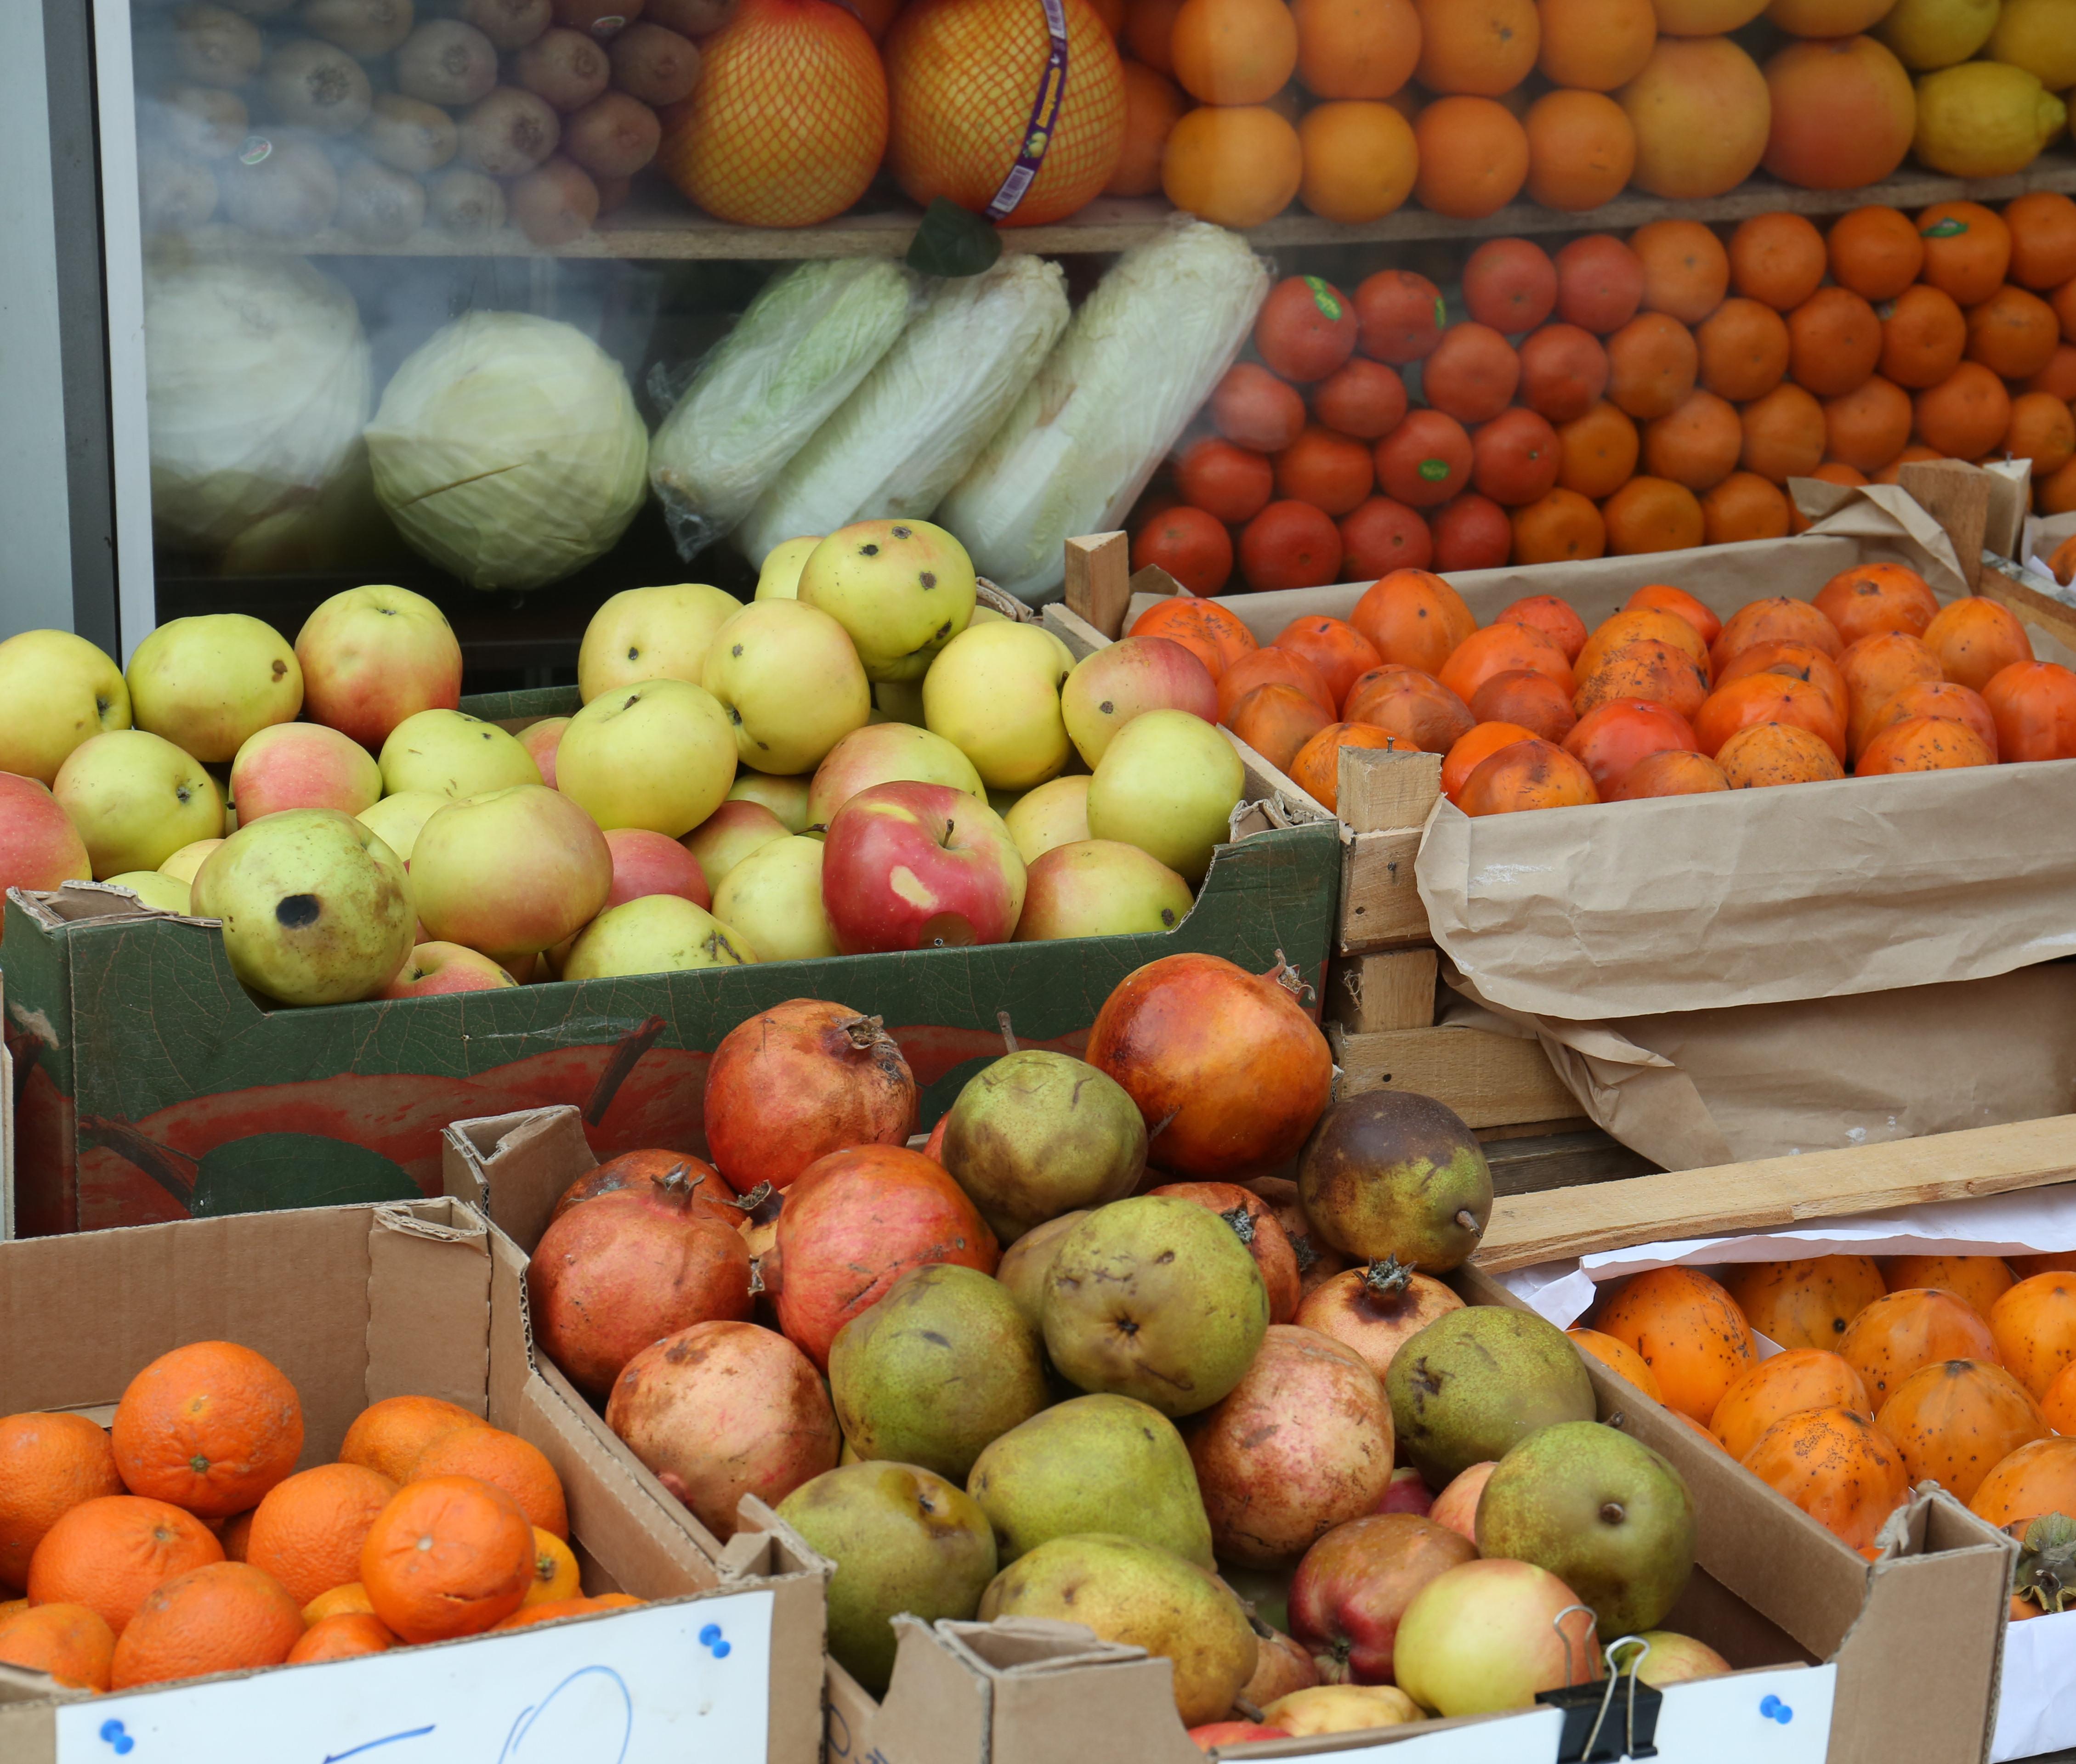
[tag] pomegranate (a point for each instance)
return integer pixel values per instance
(1490, 1635)
(721, 1410)
(618, 1273)
(1375, 1309)
(665, 1173)
(1302, 1444)
(1355, 1584)
(1280, 1667)
(933, 1148)
(1229, 1072)
(1257, 1227)
(758, 1215)
(1457, 1505)
(798, 1081)
(1406, 1492)
(854, 1223)
(1318, 1261)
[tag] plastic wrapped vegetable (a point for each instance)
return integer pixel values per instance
(922, 416)
(812, 334)
(1138, 358)
(509, 450)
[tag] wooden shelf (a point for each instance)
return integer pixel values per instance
(659, 225)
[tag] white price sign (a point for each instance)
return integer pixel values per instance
(654, 1684)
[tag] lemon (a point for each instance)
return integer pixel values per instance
(2039, 36)
(1984, 119)
(1928, 34)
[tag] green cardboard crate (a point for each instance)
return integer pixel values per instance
(151, 1086)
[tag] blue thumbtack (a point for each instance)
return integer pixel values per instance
(710, 1639)
(112, 1731)
(1773, 1709)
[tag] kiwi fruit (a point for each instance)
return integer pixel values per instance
(653, 64)
(379, 205)
(409, 134)
(691, 18)
(290, 192)
(600, 18)
(205, 121)
(358, 26)
(310, 85)
(445, 61)
(174, 193)
(464, 205)
(613, 136)
(213, 46)
(564, 66)
(510, 24)
(554, 203)
(508, 133)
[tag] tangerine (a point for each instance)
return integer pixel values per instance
(1563, 372)
(1868, 427)
(1686, 269)
(1967, 250)
(1236, 165)
(1745, 507)
(1254, 409)
(1471, 532)
(1559, 526)
(1966, 414)
(1875, 251)
(1425, 461)
(347, 1636)
(1382, 535)
(1229, 483)
(1193, 547)
(1653, 365)
(1600, 451)
(2013, 334)
(1473, 375)
(1697, 444)
(1834, 342)
(1581, 150)
(70, 1642)
(1306, 328)
(107, 1553)
(1777, 259)
(1510, 285)
(2043, 429)
(1398, 316)
(1653, 514)
(1330, 471)
(388, 1436)
(1744, 349)
(1784, 434)
(1290, 544)
(1364, 399)
(1515, 459)
(2043, 229)
(211, 1427)
(1924, 337)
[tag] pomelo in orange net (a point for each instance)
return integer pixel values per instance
(962, 75)
(788, 122)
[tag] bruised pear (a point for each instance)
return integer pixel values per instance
(1026, 1264)
(1038, 1134)
(1390, 1174)
(1476, 1382)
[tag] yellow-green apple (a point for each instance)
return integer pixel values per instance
(993, 693)
(778, 578)
(1109, 688)
(659, 754)
(1100, 888)
(303, 765)
(651, 863)
(904, 589)
(316, 910)
(651, 634)
(397, 819)
(918, 866)
(454, 755)
(790, 683)
(512, 872)
(56, 691)
(183, 864)
(208, 684)
(371, 657)
(39, 848)
(785, 797)
(657, 934)
(154, 888)
(773, 898)
(136, 799)
(882, 753)
(1057, 813)
(541, 740)
(1169, 783)
(435, 968)
(730, 834)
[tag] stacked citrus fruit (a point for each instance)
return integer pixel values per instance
(1649, 395)
(1663, 699)
(1959, 1370)
(182, 1540)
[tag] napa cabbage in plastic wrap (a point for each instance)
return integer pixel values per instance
(509, 450)
(812, 334)
(256, 385)
(921, 416)
(1140, 358)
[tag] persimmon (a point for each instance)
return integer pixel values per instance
(1784, 434)
(1381, 536)
(2039, 1477)
(1425, 461)
(1955, 1420)
(1873, 598)
(1925, 335)
(1290, 544)
(1786, 1384)
(1496, 649)
(1980, 1280)
(1560, 526)
(1473, 375)
(1614, 737)
(1619, 1358)
(1253, 409)
(1777, 618)
(1673, 772)
(1647, 668)
(1231, 483)
(1278, 664)
(1806, 1303)
(1528, 699)
(1564, 371)
(1557, 620)
(1653, 363)
(1214, 635)
(1413, 706)
(1601, 450)
(1653, 514)
(1415, 618)
(2034, 1327)
(1889, 1339)
(1797, 660)
(1837, 1467)
(1922, 744)
(1762, 756)
(1277, 720)
(1483, 741)
(1334, 646)
(1745, 507)
(1530, 775)
(1767, 698)
(1398, 316)
(1940, 699)
(2034, 704)
(1743, 347)
(1317, 768)
(1600, 283)
(1876, 668)
(1688, 1330)
(2059, 1403)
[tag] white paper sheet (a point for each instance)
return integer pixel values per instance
(2037, 1711)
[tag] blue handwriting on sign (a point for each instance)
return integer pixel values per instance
(112, 1733)
(1773, 1709)
(580, 1728)
(390, 1739)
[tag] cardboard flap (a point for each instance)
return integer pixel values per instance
(512, 1168)
(938, 1710)
(1034, 1644)
(428, 1310)
(89, 902)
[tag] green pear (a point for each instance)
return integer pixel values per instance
(1028, 1263)
(1094, 1461)
(1475, 1382)
(1038, 1134)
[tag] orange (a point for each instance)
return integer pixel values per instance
(1834, 342)
(2043, 230)
(2043, 429)
(345, 1637)
(1783, 434)
(1744, 506)
(1363, 398)
(2013, 332)
(1560, 526)
(1653, 363)
(1701, 107)
(1868, 427)
(1581, 150)
(1923, 336)
(1425, 461)
(1966, 414)
(1697, 445)
(1743, 347)
(1601, 452)
(1356, 48)
(448, 1556)
(1686, 270)
(2058, 495)
(71, 1643)
(554, 1609)
(1149, 25)
(1253, 409)
(1650, 514)
(507, 1462)
(1843, 114)
(1360, 158)
(1922, 744)
(1874, 598)
(1777, 259)
(309, 1530)
(1473, 156)
(387, 1436)
(235, 1534)
(350, 1600)
(1761, 755)
(1233, 52)
(48, 1465)
(1152, 106)
(555, 1569)
(227, 1617)
(1482, 48)
(1967, 249)
(2058, 376)
(1915, 452)
(211, 1427)
(1238, 164)
(1875, 252)
(1596, 45)
(1705, 18)
(106, 1553)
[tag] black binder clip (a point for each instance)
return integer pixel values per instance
(1597, 1728)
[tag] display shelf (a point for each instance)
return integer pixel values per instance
(659, 225)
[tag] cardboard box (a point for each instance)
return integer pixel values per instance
(355, 1304)
(7, 1127)
(153, 1087)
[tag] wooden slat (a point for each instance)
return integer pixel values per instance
(1774, 1192)
(1489, 1080)
(1956, 495)
(2029, 604)
(1381, 903)
(1382, 791)
(1562, 1160)
(1395, 989)
(1099, 579)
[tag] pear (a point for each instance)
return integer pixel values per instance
(1038, 1134)
(1028, 1263)
(1475, 1382)
(941, 1365)
(1093, 1461)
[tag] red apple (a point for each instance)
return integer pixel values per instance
(39, 847)
(645, 862)
(302, 766)
(541, 740)
(1405, 1492)
(1110, 687)
(730, 834)
(438, 967)
(1456, 1506)
(1099, 888)
(915, 866)
(371, 657)
(1353, 1587)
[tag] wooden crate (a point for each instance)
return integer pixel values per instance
(1492, 1080)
